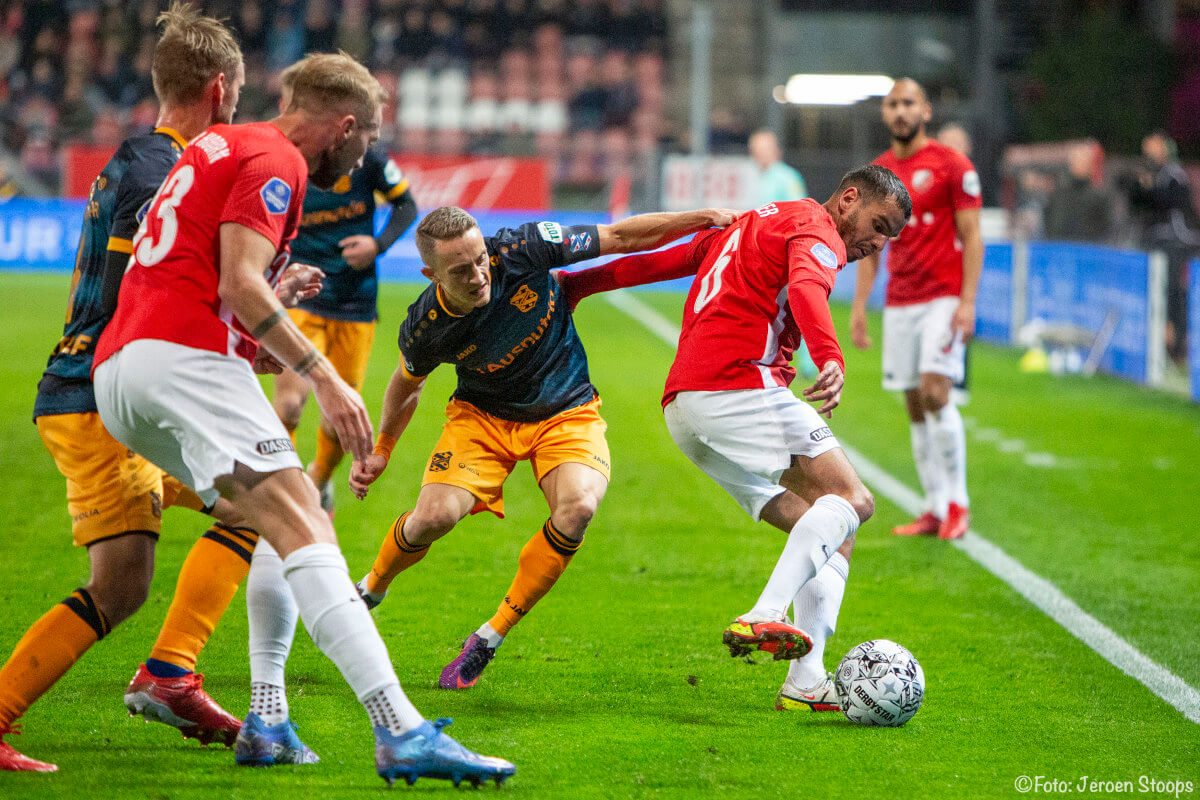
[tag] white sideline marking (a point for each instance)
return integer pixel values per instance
(1034, 588)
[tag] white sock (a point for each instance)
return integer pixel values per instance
(489, 635)
(949, 439)
(814, 539)
(927, 467)
(340, 625)
(816, 611)
(272, 613)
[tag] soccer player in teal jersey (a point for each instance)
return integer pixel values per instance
(337, 234)
(115, 498)
(495, 312)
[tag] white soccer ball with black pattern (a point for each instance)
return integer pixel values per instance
(879, 683)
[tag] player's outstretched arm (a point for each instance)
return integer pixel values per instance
(868, 267)
(399, 403)
(245, 257)
(635, 270)
(651, 231)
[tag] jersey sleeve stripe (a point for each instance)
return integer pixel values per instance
(119, 245)
(397, 190)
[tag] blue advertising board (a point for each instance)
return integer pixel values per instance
(1194, 326)
(1084, 285)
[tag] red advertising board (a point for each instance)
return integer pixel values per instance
(472, 182)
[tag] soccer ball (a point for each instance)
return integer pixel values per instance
(879, 683)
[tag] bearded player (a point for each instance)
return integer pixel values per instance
(760, 286)
(929, 311)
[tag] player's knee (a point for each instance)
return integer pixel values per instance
(289, 410)
(935, 393)
(863, 502)
(573, 516)
(119, 599)
(430, 523)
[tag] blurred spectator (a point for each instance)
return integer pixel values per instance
(1078, 210)
(727, 134)
(1161, 197)
(776, 180)
(955, 137)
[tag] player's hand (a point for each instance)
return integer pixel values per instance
(827, 390)
(364, 473)
(963, 321)
(724, 217)
(266, 364)
(858, 327)
(299, 282)
(359, 251)
(343, 409)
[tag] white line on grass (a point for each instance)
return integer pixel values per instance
(1034, 588)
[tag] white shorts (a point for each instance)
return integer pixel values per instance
(193, 413)
(744, 439)
(917, 340)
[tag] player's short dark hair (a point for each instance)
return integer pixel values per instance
(876, 183)
(441, 225)
(193, 50)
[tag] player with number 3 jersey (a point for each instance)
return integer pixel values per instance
(761, 285)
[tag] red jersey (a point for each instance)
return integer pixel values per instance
(925, 262)
(248, 174)
(764, 281)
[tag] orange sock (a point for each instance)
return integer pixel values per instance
(542, 560)
(47, 651)
(329, 455)
(395, 556)
(215, 567)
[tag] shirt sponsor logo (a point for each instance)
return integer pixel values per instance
(328, 216)
(269, 447)
(276, 195)
(525, 298)
(920, 178)
(440, 462)
(824, 255)
(820, 433)
(551, 231)
(971, 183)
(580, 241)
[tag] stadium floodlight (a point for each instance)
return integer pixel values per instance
(832, 90)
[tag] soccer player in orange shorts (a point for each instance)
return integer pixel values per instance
(494, 310)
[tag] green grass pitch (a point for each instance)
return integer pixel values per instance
(617, 684)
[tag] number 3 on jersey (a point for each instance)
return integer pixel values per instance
(710, 284)
(146, 250)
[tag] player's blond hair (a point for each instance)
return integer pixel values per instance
(441, 225)
(322, 82)
(193, 50)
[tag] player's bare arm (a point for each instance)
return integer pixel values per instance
(300, 282)
(868, 267)
(245, 255)
(650, 231)
(966, 221)
(399, 403)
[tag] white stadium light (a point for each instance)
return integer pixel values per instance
(832, 90)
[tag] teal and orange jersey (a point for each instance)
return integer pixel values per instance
(116, 204)
(519, 357)
(348, 209)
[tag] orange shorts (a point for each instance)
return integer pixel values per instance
(477, 451)
(110, 489)
(345, 343)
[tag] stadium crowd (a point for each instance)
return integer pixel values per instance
(579, 82)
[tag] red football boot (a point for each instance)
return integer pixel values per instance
(780, 638)
(182, 703)
(958, 519)
(923, 525)
(13, 761)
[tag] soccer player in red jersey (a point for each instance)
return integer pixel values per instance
(762, 284)
(929, 314)
(174, 382)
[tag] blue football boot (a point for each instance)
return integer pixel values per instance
(260, 745)
(426, 752)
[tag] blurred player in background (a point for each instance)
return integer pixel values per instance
(933, 274)
(761, 285)
(116, 498)
(174, 382)
(337, 234)
(496, 313)
(777, 181)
